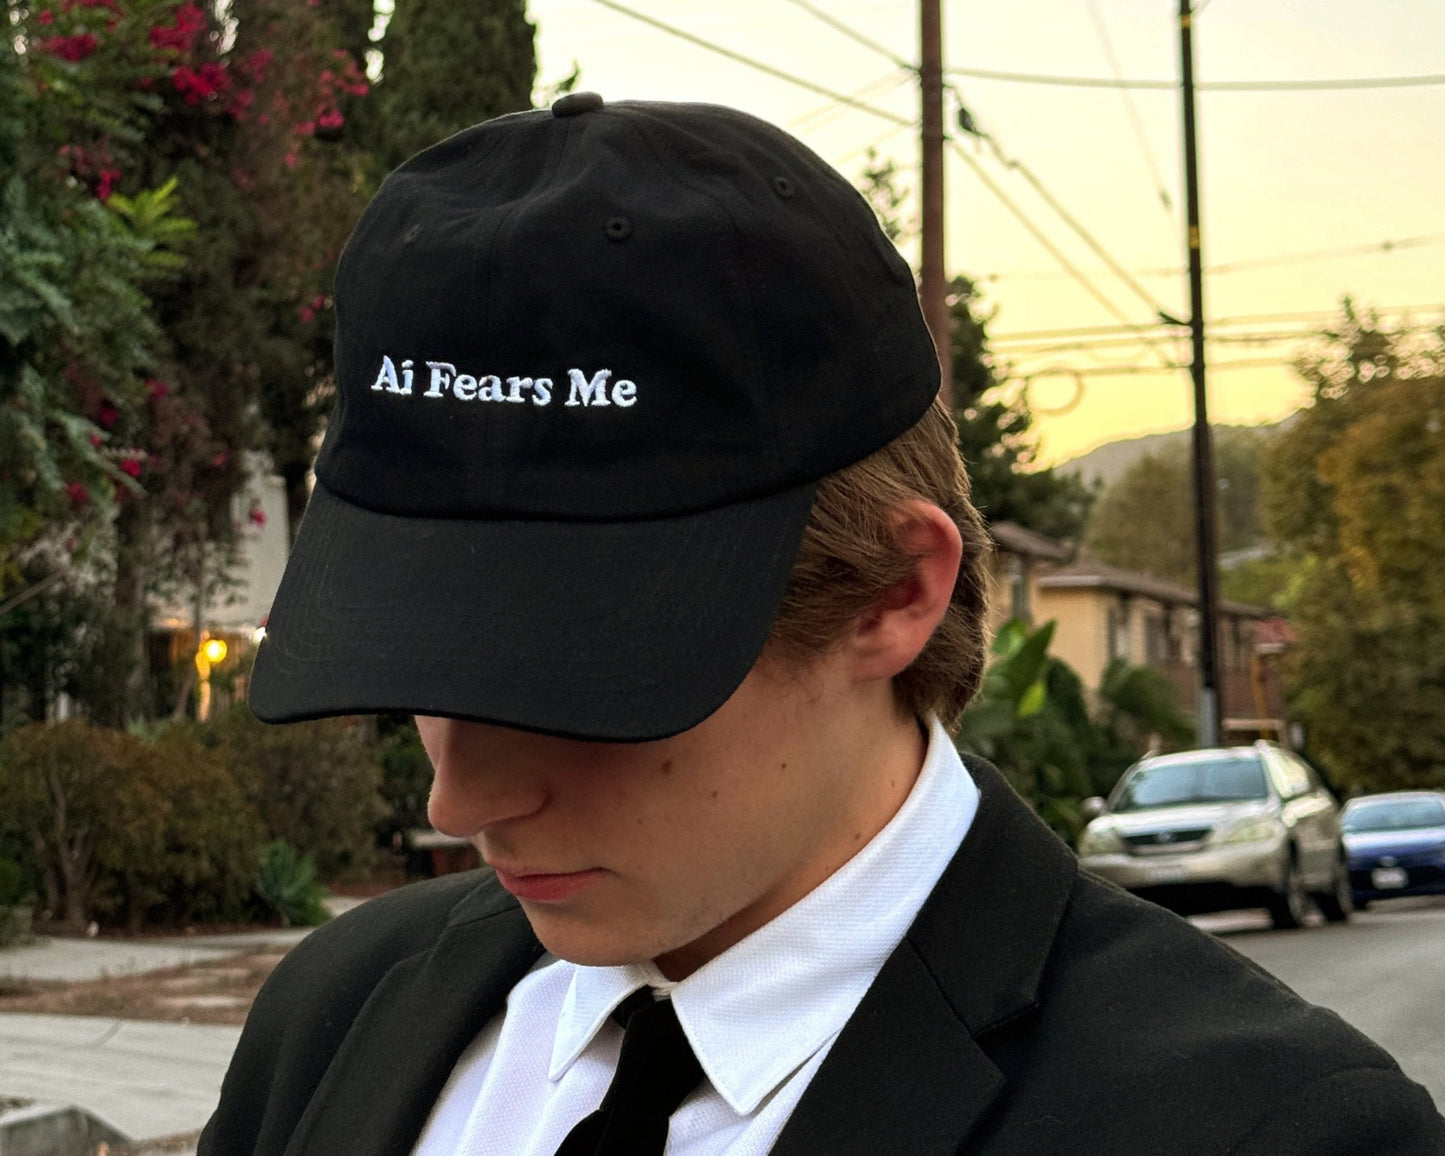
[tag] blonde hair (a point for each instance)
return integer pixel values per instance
(850, 557)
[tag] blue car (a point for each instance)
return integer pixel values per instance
(1396, 844)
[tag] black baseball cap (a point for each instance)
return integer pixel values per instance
(592, 362)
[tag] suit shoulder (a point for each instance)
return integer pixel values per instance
(1155, 1012)
(377, 934)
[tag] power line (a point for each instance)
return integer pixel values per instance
(758, 65)
(1068, 218)
(1324, 254)
(1215, 323)
(819, 116)
(1073, 223)
(1102, 30)
(1251, 264)
(854, 154)
(1053, 250)
(1094, 345)
(1341, 84)
(853, 34)
(1151, 370)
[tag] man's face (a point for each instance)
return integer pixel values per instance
(674, 850)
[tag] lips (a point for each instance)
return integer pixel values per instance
(547, 887)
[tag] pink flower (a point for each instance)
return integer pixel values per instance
(305, 128)
(290, 159)
(77, 493)
(109, 415)
(258, 62)
(47, 17)
(220, 459)
(257, 516)
(190, 22)
(328, 120)
(71, 48)
(131, 466)
(108, 178)
(157, 389)
(95, 441)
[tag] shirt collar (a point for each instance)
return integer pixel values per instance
(796, 980)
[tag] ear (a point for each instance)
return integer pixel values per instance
(892, 633)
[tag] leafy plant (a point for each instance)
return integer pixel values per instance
(1032, 718)
(314, 784)
(286, 885)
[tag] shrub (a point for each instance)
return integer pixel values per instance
(14, 884)
(57, 782)
(315, 784)
(182, 848)
(123, 826)
(286, 885)
(406, 776)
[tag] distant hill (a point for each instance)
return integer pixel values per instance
(1107, 462)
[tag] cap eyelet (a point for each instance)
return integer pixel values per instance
(783, 187)
(618, 229)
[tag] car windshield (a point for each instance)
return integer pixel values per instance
(1166, 784)
(1394, 815)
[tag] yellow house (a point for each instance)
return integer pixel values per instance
(1103, 612)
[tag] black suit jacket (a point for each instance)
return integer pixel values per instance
(1031, 1009)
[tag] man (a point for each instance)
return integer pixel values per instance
(638, 496)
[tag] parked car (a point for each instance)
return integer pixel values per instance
(1226, 827)
(1396, 844)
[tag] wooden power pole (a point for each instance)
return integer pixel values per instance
(934, 288)
(1205, 492)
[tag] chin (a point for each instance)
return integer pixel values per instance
(590, 946)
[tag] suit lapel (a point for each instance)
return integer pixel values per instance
(398, 1054)
(911, 1070)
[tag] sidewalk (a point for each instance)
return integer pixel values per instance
(145, 1079)
(71, 960)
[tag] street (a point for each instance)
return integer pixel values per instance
(1384, 972)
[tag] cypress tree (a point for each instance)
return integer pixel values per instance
(449, 64)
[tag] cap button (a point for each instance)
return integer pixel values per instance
(575, 103)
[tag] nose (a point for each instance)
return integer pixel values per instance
(478, 778)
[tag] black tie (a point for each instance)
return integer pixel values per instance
(654, 1074)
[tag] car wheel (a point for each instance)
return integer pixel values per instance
(1337, 904)
(1289, 905)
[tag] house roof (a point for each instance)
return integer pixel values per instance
(1088, 573)
(1015, 539)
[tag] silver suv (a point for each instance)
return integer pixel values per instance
(1210, 830)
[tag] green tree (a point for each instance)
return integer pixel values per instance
(1353, 495)
(995, 425)
(448, 64)
(1145, 520)
(78, 337)
(996, 436)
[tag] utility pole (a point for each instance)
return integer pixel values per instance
(934, 290)
(1205, 490)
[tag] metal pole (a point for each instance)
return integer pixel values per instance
(933, 292)
(1205, 492)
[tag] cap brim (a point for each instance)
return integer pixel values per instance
(616, 631)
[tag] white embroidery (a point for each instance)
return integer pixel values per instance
(594, 392)
(445, 381)
(584, 392)
(386, 379)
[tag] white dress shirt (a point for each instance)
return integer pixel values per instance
(760, 1017)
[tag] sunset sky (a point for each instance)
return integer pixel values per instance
(1301, 189)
